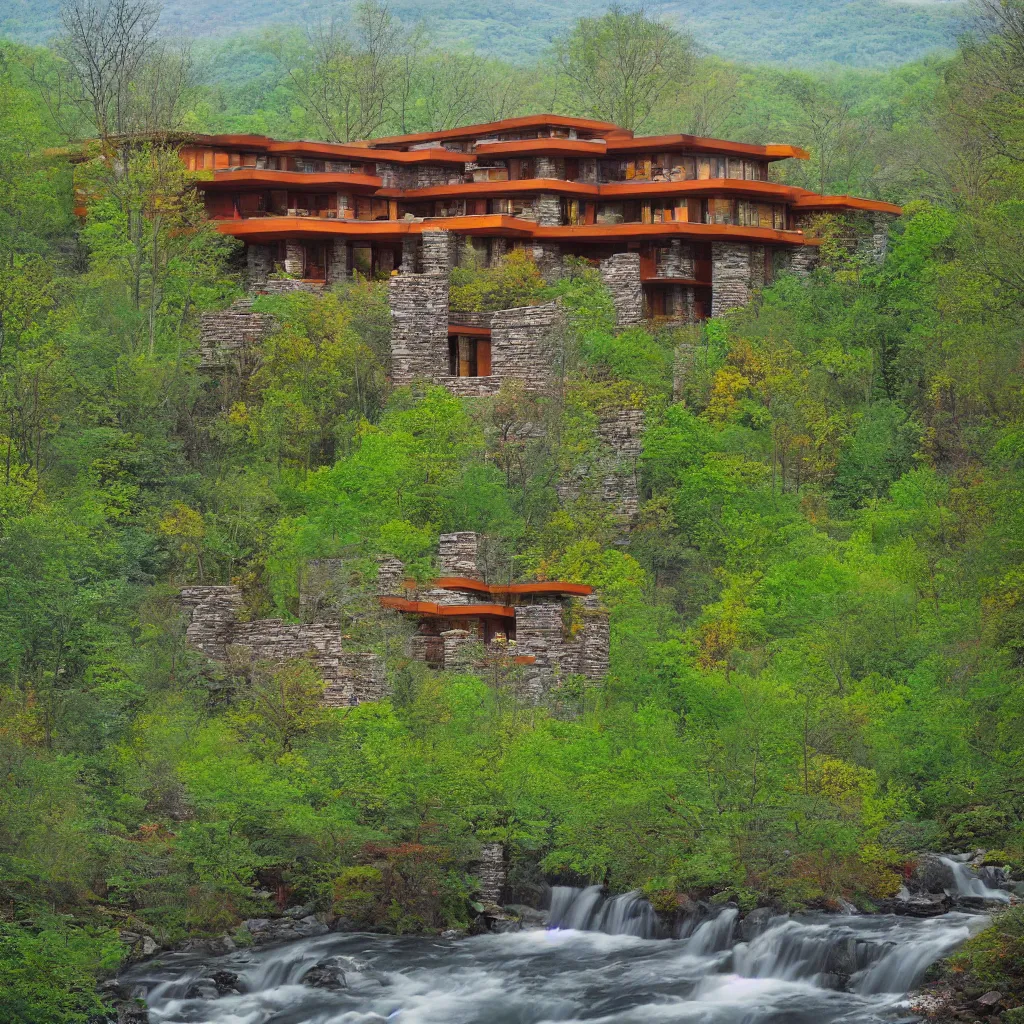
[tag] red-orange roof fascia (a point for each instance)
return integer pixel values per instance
(815, 202)
(358, 152)
(536, 587)
(493, 189)
(506, 124)
(270, 179)
(311, 227)
(732, 186)
(543, 147)
(703, 144)
(684, 229)
(469, 332)
(401, 604)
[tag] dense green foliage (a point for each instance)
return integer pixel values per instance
(866, 33)
(817, 628)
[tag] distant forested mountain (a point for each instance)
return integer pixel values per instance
(863, 33)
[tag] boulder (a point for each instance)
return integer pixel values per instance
(309, 927)
(931, 875)
(756, 922)
(530, 917)
(204, 988)
(920, 905)
(227, 983)
(988, 1002)
(297, 913)
(329, 973)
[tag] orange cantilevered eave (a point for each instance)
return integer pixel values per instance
(536, 587)
(258, 229)
(277, 179)
(703, 144)
(672, 229)
(543, 147)
(810, 201)
(507, 124)
(401, 604)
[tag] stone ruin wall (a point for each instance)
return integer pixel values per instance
(419, 326)
(232, 337)
(215, 628)
(491, 872)
(620, 274)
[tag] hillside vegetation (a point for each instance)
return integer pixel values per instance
(864, 33)
(817, 624)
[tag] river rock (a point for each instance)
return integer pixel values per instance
(297, 913)
(529, 916)
(309, 927)
(989, 1001)
(329, 973)
(921, 905)
(931, 875)
(756, 922)
(842, 957)
(227, 983)
(204, 988)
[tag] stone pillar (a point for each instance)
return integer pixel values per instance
(338, 270)
(621, 434)
(757, 266)
(390, 577)
(588, 172)
(213, 616)
(803, 260)
(457, 554)
(499, 250)
(880, 236)
(549, 210)
(457, 650)
(259, 262)
(621, 276)
(410, 250)
(549, 167)
(730, 276)
(548, 257)
(439, 252)
(491, 871)
(595, 640)
(419, 327)
(295, 258)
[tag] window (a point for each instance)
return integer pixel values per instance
(469, 356)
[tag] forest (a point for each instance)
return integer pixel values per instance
(817, 623)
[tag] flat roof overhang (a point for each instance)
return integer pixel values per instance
(251, 176)
(471, 131)
(258, 229)
(448, 611)
(703, 144)
(671, 229)
(543, 147)
(810, 201)
(536, 587)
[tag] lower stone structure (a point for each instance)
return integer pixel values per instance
(491, 872)
(731, 276)
(457, 554)
(351, 677)
(232, 337)
(621, 435)
(419, 327)
(610, 472)
(621, 276)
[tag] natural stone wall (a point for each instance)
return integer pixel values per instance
(757, 266)
(439, 251)
(338, 269)
(286, 285)
(803, 260)
(232, 336)
(457, 554)
(419, 326)
(682, 366)
(490, 870)
(595, 642)
(294, 258)
(549, 167)
(259, 262)
(499, 249)
(541, 632)
(469, 319)
(730, 276)
(548, 208)
(548, 257)
(524, 343)
(471, 387)
(621, 436)
(621, 276)
(390, 577)
(351, 677)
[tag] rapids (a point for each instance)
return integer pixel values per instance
(806, 969)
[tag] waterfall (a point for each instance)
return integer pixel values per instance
(589, 910)
(714, 935)
(967, 883)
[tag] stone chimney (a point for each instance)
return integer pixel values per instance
(457, 554)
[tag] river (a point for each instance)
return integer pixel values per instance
(805, 969)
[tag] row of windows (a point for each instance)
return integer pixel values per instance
(655, 168)
(282, 203)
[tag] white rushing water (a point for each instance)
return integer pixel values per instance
(813, 969)
(967, 883)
